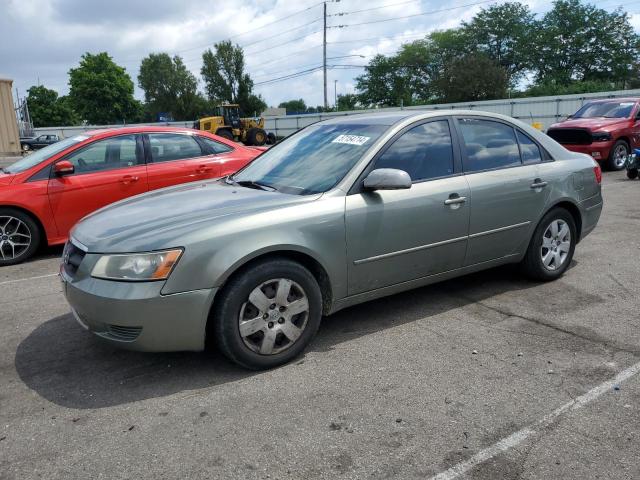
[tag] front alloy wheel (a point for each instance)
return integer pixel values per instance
(618, 156)
(19, 236)
(266, 313)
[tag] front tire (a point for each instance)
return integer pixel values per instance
(618, 155)
(225, 134)
(19, 236)
(256, 136)
(552, 246)
(267, 314)
(632, 174)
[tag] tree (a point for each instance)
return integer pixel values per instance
(472, 77)
(49, 110)
(170, 87)
(253, 105)
(294, 106)
(581, 42)
(383, 83)
(348, 101)
(504, 33)
(225, 78)
(102, 92)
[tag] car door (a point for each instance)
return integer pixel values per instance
(395, 236)
(175, 158)
(40, 142)
(508, 194)
(105, 171)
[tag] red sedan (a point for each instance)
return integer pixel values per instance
(44, 194)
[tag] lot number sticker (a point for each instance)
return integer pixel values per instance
(351, 140)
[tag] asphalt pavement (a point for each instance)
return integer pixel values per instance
(486, 376)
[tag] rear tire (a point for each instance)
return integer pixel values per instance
(271, 138)
(225, 134)
(552, 246)
(618, 155)
(257, 137)
(20, 236)
(254, 323)
(632, 174)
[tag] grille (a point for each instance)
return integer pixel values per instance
(125, 334)
(72, 258)
(570, 136)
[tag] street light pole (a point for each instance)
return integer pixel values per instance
(335, 94)
(324, 56)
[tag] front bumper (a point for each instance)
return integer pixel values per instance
(136, 316)
(599, 151)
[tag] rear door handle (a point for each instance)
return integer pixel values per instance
(455, 199)
(537, 183)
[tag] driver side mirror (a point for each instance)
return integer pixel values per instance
(387, 179)
(65, 167)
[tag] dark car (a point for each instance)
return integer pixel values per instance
(608, 130)
(37, 143)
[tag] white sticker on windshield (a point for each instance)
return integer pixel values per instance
(351, 139)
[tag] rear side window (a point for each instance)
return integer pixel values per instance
(424, 152)
(530, 151)
(489, 145)
(215, 147)
(166, 147)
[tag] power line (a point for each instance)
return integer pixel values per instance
(286, 57)
(290, 76)
(281, 33)
(413, 15)
(340, 14)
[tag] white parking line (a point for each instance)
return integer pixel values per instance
(28, 278)
(521, 435)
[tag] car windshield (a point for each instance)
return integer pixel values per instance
(40, 156)
(313, 160)
(606, 110)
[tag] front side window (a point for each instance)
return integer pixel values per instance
(166, 147)
(109, 154)
(313, 160)
(529, 149)
(489, 145)
(43, 154)
(424, 152)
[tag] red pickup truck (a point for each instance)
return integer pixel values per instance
(608, 130)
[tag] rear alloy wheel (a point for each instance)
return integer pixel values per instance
(551, 247)
(618, 155)
(19, 236)
(267, 314)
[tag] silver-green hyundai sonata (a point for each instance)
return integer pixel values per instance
(343, 211)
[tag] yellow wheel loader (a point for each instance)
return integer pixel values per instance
(226, 122)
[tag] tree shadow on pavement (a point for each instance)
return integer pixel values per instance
(68, 366)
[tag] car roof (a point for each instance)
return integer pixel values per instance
(392, 118)
(105, 132)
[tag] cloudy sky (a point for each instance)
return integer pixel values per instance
(41, 39)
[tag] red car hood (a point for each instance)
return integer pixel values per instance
(593, 124)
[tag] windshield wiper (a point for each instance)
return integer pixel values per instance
(254, 184)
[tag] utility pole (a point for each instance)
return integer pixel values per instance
(324, 56)
(335, 94)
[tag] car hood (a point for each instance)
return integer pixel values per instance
(165, 218)
(593, 124)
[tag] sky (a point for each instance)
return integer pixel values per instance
(41, 40)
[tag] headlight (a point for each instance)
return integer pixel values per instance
(601, 136)
(137, 267)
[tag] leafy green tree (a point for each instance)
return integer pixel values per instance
(170, 87)
(298, 106)
(472, 77)
(225, 78)
(348, 101)
(578, 41)
(102, 92)
(504, 33)
(383, 83)
(49, 110)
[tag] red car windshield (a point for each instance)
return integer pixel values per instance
(40, 156)
(605, 110)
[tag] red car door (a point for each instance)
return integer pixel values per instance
(105, 171)
(175, 158)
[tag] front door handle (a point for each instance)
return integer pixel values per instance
(455, 199)
(537, 183)
(203, 169)
(127, 179)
